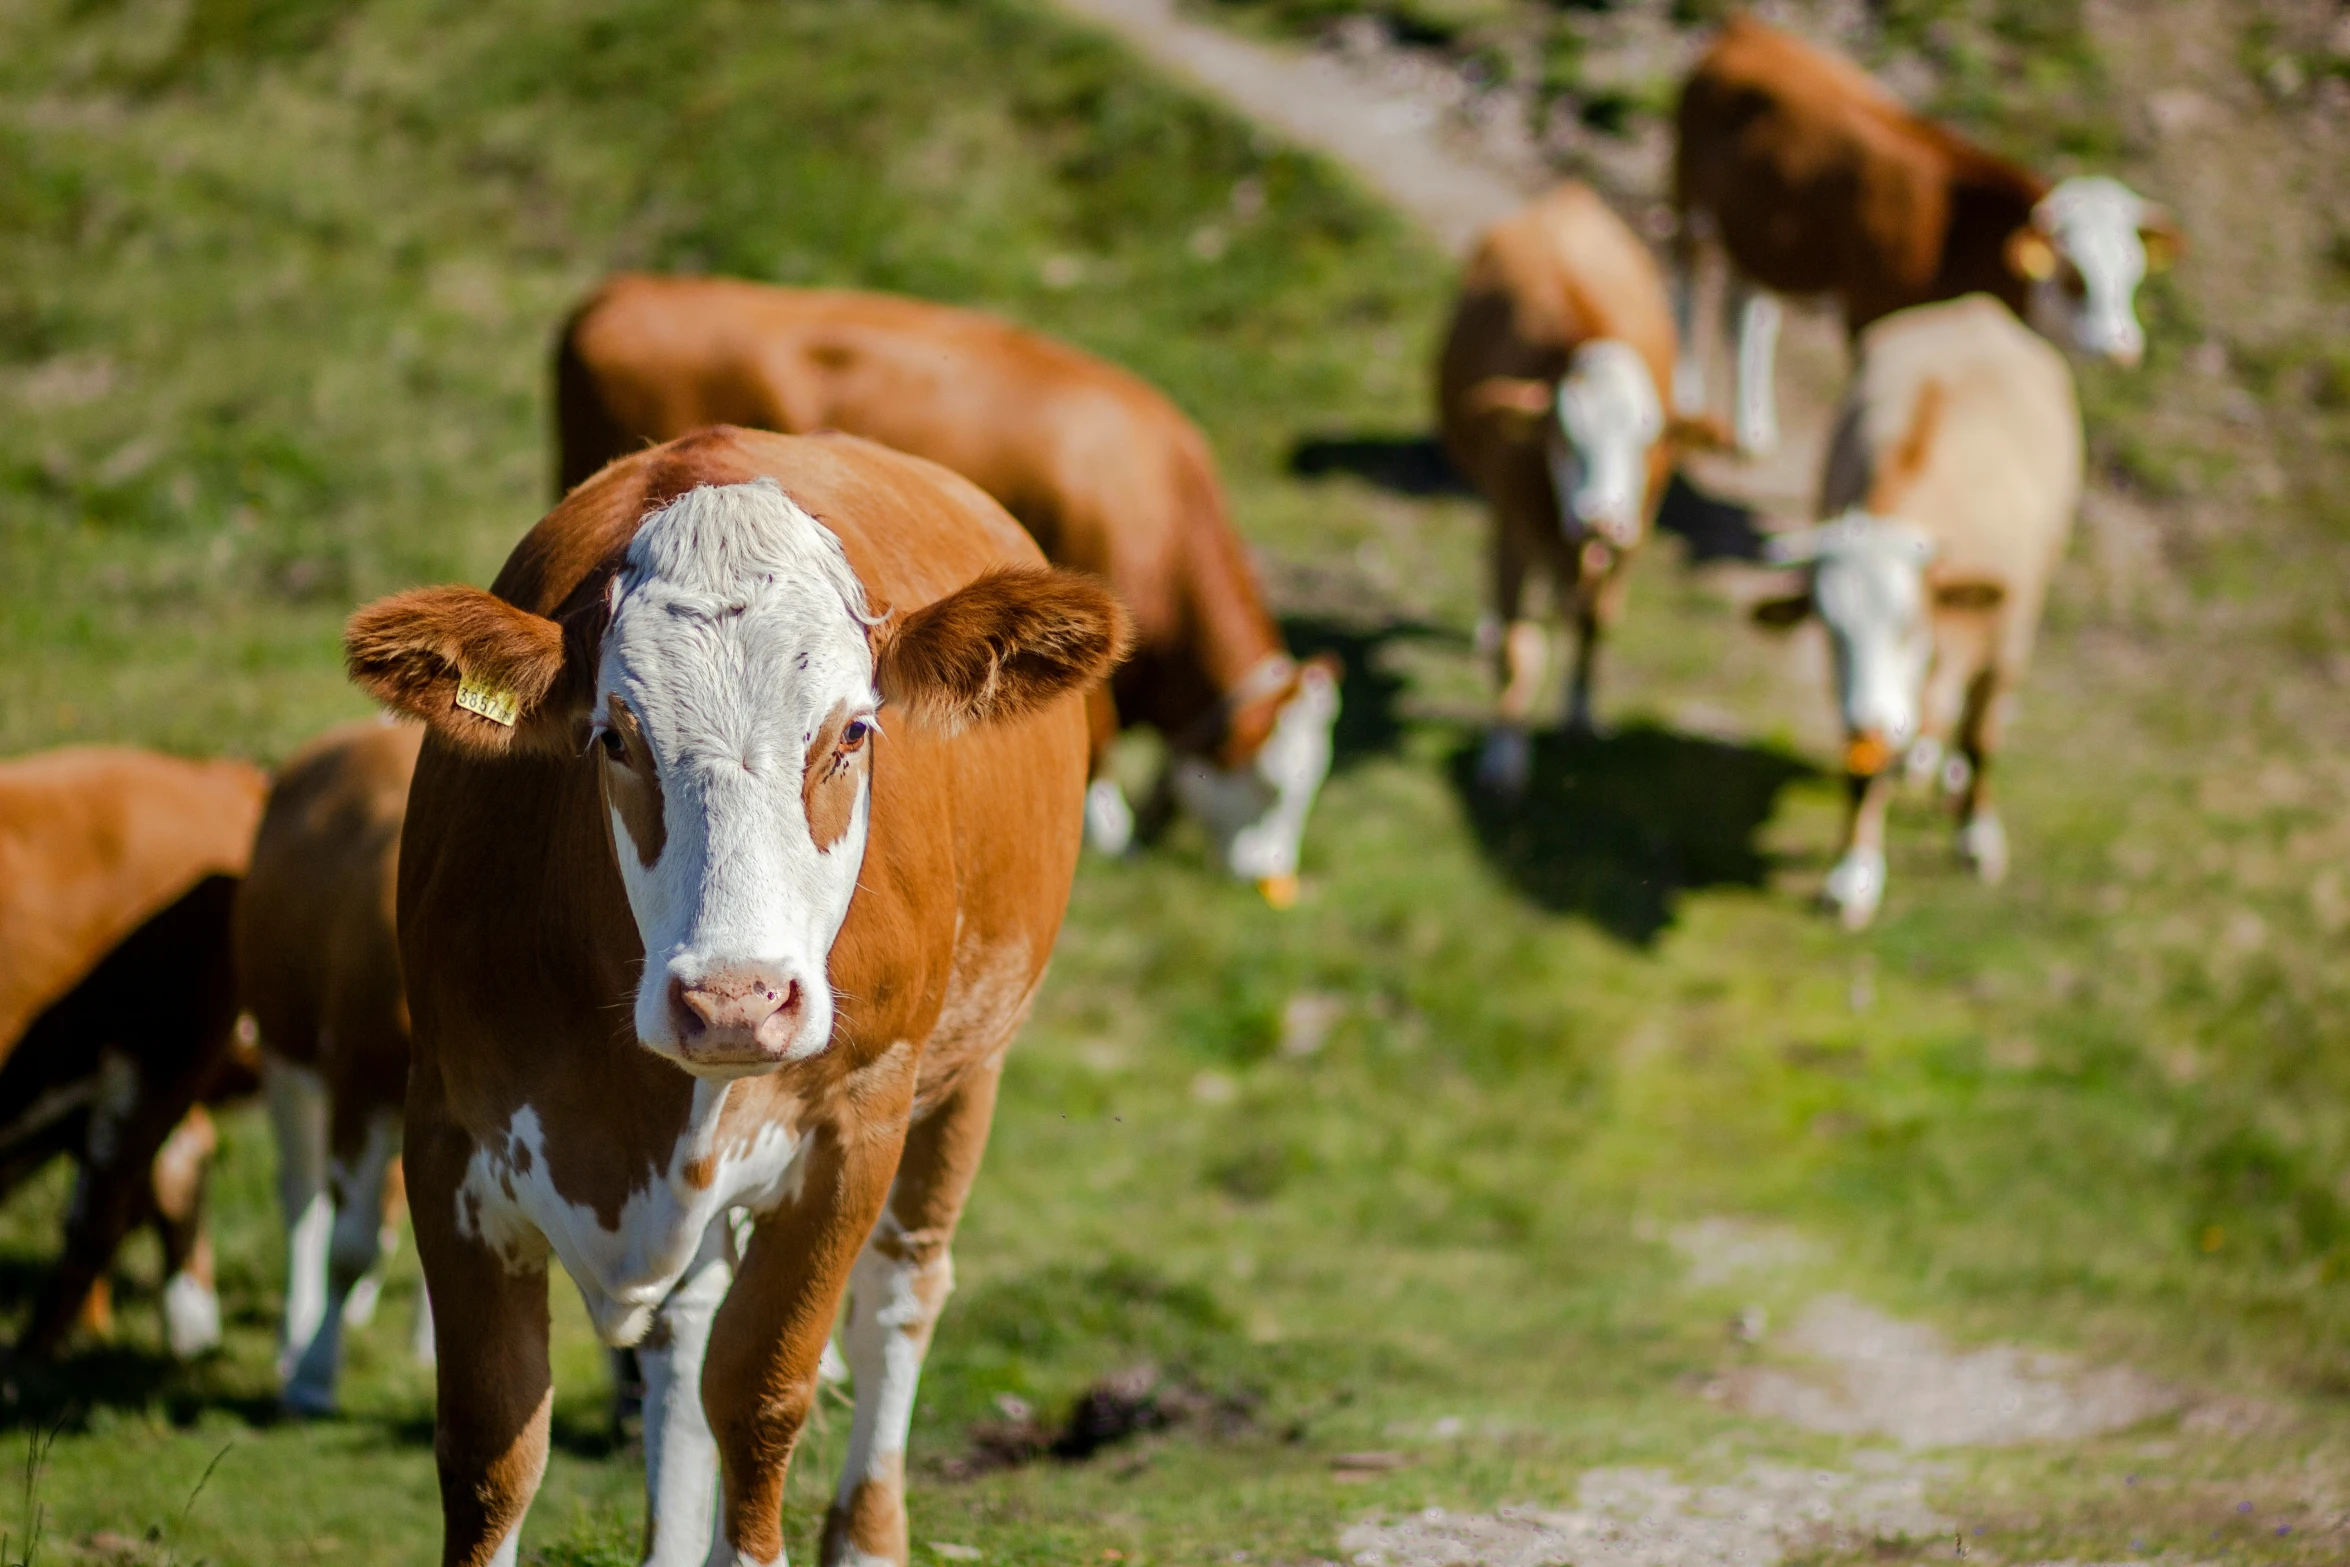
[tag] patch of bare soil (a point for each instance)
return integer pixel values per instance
(1867, 1373)
(1646, 1518)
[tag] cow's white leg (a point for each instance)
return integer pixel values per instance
(681, 1456)
(1758, 350)
(421, 1345)
(1109, 820)
(191, 1300)
(1689, 357)
(355, 1243)
(1855, 887)
(298, 1114)
(899, 1287)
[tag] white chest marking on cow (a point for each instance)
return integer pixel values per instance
(508, 1202)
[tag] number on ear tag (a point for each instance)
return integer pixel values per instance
(495, 703)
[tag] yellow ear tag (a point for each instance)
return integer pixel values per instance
(495, 703)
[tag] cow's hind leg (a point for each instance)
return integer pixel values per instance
(1699, 275)
(1756, 418)
(681, 1456)
(1982, 839)
(191, 1296)
(298, 1109)
(1109, 819)
(354, 1243)
(900, 1286)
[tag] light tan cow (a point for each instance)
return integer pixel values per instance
(1812, 179)
(1551, 393)
(1104, 472)
(742, 833)
(118, 870)
(1949, 490)
(318, 957)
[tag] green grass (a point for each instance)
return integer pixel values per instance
(277, 280)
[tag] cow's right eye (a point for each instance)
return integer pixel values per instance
(614, 747)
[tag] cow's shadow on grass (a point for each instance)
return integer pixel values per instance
(1617, 827)
(1369, 724)
(1406, 464)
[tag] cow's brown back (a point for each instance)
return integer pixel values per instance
(94, 841)
(1106, 474)
(1822, 183)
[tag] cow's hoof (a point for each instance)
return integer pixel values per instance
(1506, 761)
(1982, 843)
(1856, 887)
(191, 1317)
(1109, 820)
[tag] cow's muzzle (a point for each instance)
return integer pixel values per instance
(736, 1020)
(1867, 754)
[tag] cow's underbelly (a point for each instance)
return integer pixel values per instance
(510, 1203)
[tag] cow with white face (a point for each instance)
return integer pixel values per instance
(1951, 486)
(738, 843)
(1550, 391)
(1796, 174)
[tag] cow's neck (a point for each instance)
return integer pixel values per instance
(1989, 200)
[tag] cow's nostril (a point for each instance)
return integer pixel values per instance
(690, 1007)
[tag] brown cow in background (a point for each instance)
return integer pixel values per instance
(1813, 179)
(118, 1001)
(318, 954)
(1551, 393)
(1104, 472)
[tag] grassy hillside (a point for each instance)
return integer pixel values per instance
(1398, 1170)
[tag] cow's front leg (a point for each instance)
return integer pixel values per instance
(191, 1294)
(1757, 413)
(496, 1394)
(759, 1380)
(901, 1284)
(681, 1457)
(1856, 885)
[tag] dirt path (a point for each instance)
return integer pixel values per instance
(1390, 140)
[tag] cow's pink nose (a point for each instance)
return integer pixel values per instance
(728, 1013)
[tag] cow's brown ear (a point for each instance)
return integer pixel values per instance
(1000, 647)
(2165, 242)
(483, 674)
(1972, 593)
(1780, 613)
(2030, 254)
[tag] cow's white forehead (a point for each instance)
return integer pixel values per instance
(1608, 391)
(2090, 204)
(735, 588)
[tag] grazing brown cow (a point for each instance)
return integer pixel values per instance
(118, 871)
(318, 955)
(1551, 393)
(743, 830)
(1104, 472)
(1950, 489)
(1815, 180)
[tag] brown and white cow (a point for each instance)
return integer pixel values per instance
(1551, 394)
(118, 872)
(1949, 491)
(318, 958)
(1815, 180)
(740, 838)
(1104, 472)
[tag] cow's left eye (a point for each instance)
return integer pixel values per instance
(853, 733)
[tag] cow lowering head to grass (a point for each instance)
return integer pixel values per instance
(1806, 177)
(1950, 489)
(739, 841)
(1102, 469)
(1550, 389)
